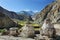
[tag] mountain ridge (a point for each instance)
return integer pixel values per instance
(51, 11)
(14, 15)
(6, 22)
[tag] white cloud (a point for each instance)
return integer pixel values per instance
(35, 11)
(31, 10)
(27, 10)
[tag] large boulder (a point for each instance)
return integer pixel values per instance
(27, 31)
(57, 27)
(48, 32)
(13, 31)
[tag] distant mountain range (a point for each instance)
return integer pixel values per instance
(22, 15)
(26, 15)
(8, 18)
(26, 12)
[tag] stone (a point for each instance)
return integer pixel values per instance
(13, 31)
(14, 38)
(40, 37)
(48, 29)
(27, 31)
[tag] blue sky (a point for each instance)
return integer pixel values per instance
(19, 5)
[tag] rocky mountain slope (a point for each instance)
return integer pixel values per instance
(14, 15)
(6, 22)
(11, 14)
(51, 11)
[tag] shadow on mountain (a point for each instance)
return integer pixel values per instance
(6, 22)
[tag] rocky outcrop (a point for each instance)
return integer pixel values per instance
(51, 11)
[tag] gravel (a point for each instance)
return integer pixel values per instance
(14, 38)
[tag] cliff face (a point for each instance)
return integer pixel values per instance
(51, 11)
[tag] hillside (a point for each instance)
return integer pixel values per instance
(51, 11)
(11, 14)
(6, 22)
(23, 15)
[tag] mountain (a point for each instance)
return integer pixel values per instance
(30, 13)
(22, 15)
(11, 14)
(51, 11)
(25, 15)
(6, 22)
(35, 15)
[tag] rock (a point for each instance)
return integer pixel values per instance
(14, 38)
(40, 37)
(50, 33)
(13, 31)
(57, 25)
(48, 29)
(27, 31)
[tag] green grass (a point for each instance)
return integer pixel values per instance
(34, 25)
(22, 23)
(2, 30)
